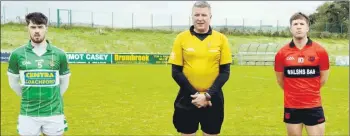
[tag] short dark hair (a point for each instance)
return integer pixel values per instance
(36, 18)
(299, 15)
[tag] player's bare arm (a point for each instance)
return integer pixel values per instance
(324, 66)
(64, 83)
(15, 85)
(324, 76)
(13, 75)
(64, 77)
(279, 77)
(279, 69)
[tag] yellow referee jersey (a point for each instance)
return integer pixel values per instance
(200, 59)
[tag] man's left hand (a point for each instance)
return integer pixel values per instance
(200, 100)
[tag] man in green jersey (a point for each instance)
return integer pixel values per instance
(38, 72)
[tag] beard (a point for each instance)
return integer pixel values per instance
(37, 39)
(300, 37)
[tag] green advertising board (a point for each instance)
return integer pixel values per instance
(120, 58)
(90, 58)
(141, 58)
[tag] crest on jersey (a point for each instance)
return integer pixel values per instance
(312, 58)
(300, 60)
(190, 49)
(52, 64)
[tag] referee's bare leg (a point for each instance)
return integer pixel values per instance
(49, 135)
(316, 130)
(205, 134)
(294, 129)
(193, 134)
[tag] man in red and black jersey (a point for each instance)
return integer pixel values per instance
(301, 68)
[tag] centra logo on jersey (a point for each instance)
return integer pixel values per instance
(40, 74)
(40, 78)
(290, 58)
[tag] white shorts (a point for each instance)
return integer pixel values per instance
(53, 125)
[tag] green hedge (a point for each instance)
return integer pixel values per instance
(283, 33)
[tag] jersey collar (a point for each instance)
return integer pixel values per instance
(308, 43)
(30, 46)
(194, 33)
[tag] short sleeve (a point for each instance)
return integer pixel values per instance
(324, 59)
(226, 55)
(13, 67)
(64, 67)
(176, 53)
(278, 66)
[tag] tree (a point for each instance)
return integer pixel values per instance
(331, 16)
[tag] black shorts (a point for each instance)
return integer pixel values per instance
(309, 117)
(187, 117)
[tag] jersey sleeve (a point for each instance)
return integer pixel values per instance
(176, 53)
(278, 66)
(226, 56)
(324, 59)
(13, 67)
(64, 67)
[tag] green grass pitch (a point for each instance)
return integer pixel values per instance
(138, 100)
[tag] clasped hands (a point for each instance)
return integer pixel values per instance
(200, 101)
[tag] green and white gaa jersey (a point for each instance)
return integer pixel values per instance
(40, 79)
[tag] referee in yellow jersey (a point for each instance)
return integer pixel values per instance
(200, 59)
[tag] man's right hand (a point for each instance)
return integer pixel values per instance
(199, 100)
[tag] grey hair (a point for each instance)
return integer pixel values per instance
(202, 4)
